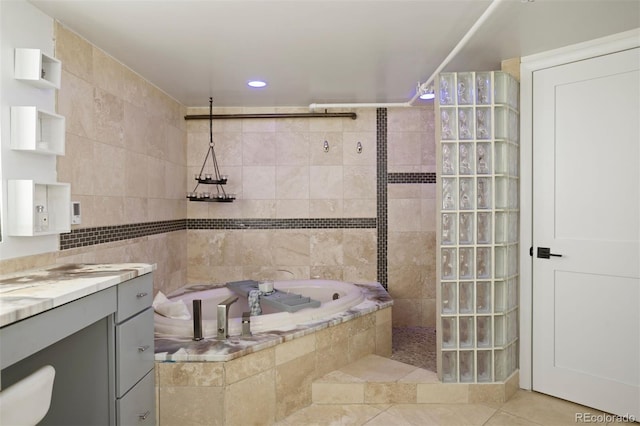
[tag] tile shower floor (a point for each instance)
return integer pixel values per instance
(414, 346)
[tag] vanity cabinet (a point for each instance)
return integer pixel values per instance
(101, 346)
(135, 394)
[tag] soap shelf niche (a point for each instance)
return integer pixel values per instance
(37, 131)
(213, 178)
(38, 208)
(36, 68)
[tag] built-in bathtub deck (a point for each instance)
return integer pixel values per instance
(267, 377)
(213, 349)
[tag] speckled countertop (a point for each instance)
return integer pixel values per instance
(32, 292)
(174, 349)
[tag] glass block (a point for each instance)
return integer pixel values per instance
(484, 366)
(512, 227)
(501, 125)
(484, 193)
(466, 331)
(449, 328)
(501, 88)
(483, 158)
(500, 364)
(512, 160)
(466, 263)
(499, 332)
(449, 194)
(512, 260)
(501, 227)
(512, 193)
(465, 123)
(467, 374)
(512, 293)
(483, 297)
(513, 358)
(447, 89)
(448, 228)
(483, 262)
(466, 158)
(467, 200)
(449, 158)
(449, 366)
(465, 302)
(448, 297)
(512, 126)
(501, 163)
(484, 228)
(465, 88)
(483, 123)
(483, 88)
(448, 126)
(500, 296)
(448, 268)
(483, 332)
(502, 192)
(466, 228)
(512, 326)
(500, 260)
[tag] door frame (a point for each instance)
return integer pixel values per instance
(528, 65)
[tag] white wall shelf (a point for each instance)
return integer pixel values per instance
(37, 131)
(24, 199)
(36, 68)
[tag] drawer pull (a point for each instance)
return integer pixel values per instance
(143, 348)
(141, 295)
(144, 416)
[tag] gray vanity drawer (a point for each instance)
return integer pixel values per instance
(134, 296)
(138, 406)
(134, 354)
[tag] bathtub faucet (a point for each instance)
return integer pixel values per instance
(223, 316)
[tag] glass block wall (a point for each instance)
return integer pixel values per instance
(478, 226)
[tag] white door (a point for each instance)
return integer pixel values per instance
(586, 208)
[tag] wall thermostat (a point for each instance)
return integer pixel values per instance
(76, 218)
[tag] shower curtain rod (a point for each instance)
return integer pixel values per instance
(351, 115)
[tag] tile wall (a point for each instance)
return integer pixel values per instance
(125, 160)
(131, 157)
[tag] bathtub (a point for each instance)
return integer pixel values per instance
(325, 291)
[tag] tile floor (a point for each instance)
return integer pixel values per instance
(343, 397)
(523, 409)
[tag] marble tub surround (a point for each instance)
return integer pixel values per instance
(170, 348)
(29, 293)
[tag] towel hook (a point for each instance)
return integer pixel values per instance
(326, 146)
(359, 147)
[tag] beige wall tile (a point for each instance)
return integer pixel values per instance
(241, 409)
(249, 365)
(191, 406)
(341, 393)
(486, 393)
(293, 384)
(75, 53)
(75, 103)
(390, 393)
(292, 148)
(434, 393)
(258, 149)
(317, 154)
(296, 348)
(326, 182)
(292, 183)
(259, 182)
(190, 373)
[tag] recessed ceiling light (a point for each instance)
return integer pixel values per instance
(257, 83)
(428, 96)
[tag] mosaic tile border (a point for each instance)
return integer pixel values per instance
(303, 223)
(83, 237)
(382, 179)
(394, 178)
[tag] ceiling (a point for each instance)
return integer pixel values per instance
(331, 51)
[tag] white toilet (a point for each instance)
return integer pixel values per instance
(27, 401)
